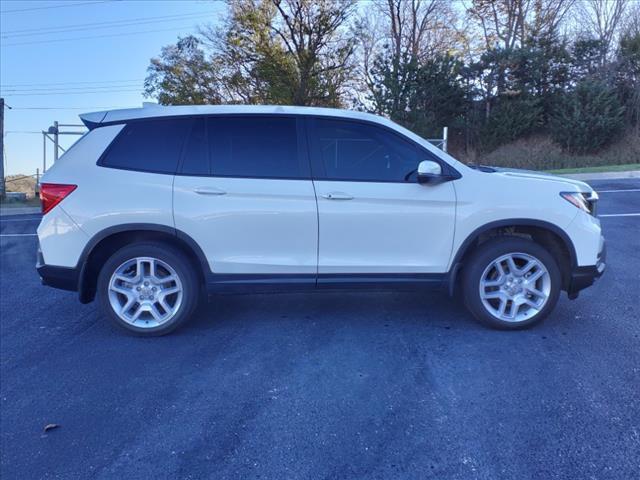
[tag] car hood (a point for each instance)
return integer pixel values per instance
(547, 177)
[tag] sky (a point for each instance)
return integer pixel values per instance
(60, 58)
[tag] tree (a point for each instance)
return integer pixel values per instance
(628, 74)
(517, 89)
(414, 27)
(182, 75)
(541, 69)
(503, 22)
(439, 98)
(548, 16)
(294, 52)
(588, 118)
(395, 38)
(432, 95)
(587, 55)
(285, 51)
(601, 19)
(512, 118)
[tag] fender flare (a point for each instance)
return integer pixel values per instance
(82, 263)
(456, 264)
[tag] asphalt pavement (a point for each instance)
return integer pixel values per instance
(324, 385)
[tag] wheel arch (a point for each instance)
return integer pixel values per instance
(550, 236)
(106, 242)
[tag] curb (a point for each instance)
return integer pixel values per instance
(602, 175)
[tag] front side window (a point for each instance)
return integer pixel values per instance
(261, 147)
(362, 152)
(149, 145)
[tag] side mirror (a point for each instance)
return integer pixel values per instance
(429, 172)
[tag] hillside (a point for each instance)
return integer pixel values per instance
(540, 153)
(21, 183)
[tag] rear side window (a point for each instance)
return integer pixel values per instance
(150, 146)
(262, 147)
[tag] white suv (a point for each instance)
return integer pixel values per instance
(158, 205)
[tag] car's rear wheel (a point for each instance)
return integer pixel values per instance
(148, 288)
(511, 283)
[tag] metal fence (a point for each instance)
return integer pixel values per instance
(53, 135)
(441, 143)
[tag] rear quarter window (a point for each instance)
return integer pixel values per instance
(149, 146)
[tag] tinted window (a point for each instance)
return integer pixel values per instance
(254, 147)
(195, 160)
(153, 146)
(358, 151)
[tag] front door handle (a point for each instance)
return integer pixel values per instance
(337, 196)
(209, 191)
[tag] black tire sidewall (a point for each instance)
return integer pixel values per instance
(489, 251)
(172, 257)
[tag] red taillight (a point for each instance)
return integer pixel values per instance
(51, 194)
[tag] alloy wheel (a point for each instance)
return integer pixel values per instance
(515, 287)
(145, 292)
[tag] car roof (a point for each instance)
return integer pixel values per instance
(148, 111)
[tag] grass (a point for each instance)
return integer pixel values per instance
(601, 168)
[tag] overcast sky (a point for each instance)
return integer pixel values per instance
(44, 76)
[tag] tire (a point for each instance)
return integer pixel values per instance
(529, 292)
(153, 285)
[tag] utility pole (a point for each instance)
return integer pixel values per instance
(2, 190)
(56, 142)
(44, 152)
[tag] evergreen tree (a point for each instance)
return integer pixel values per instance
(588, 118)
(628, 75)
(424, 97)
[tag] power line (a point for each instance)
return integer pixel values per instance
(70, 88)
(20, 10)
(74, 93)
(21, 131)
(69, 83)
(174, 29)
(110, 24)
(71, 108)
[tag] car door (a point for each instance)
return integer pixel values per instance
(374, 217)
(244, 194)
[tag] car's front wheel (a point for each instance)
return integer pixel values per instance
(511, 283)
(148, 288)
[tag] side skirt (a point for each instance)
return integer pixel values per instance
(239, 283)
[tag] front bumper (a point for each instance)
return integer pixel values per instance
(57, 277)
(583, 277)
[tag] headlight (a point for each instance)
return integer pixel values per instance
(584, 201)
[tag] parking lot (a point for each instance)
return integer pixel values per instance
(332, 385)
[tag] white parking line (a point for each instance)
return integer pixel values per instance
(18, 235)
(618, 191)
(620, 215)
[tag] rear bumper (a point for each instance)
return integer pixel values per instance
(57, 277)
(583, 277)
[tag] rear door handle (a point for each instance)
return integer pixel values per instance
(337, 196)
(209, 191)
